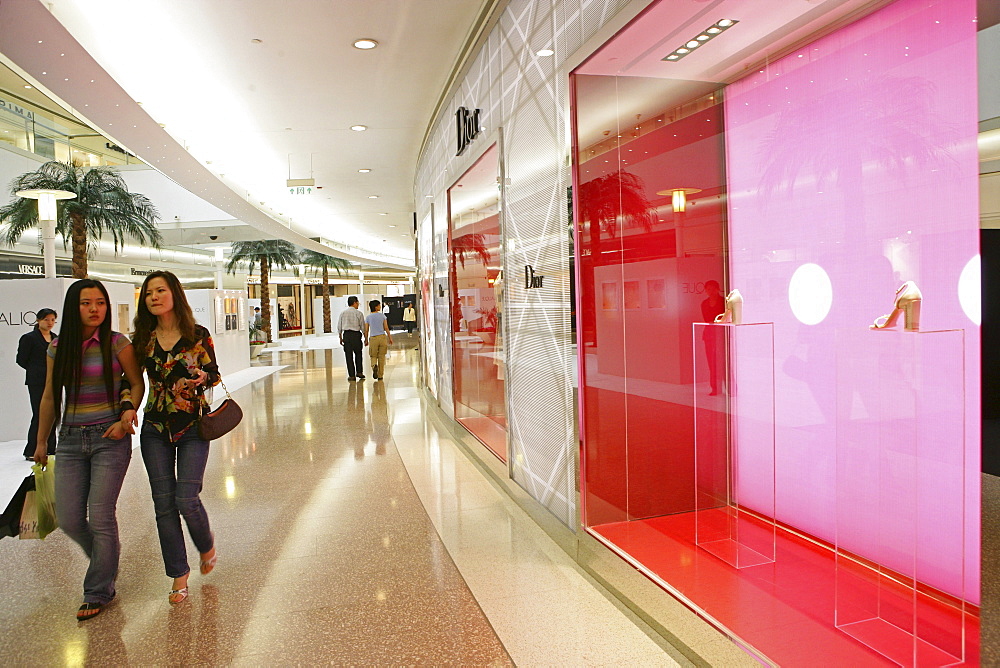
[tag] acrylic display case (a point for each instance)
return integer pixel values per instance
(900, 489)
(734, 442)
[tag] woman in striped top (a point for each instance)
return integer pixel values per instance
(87, 364)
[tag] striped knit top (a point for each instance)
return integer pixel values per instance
(91, 405)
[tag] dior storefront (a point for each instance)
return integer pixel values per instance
(696, 303)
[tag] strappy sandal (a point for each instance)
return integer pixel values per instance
(89, 611)
(208, 564)
(177, 595)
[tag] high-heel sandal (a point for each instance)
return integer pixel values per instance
(908, 300)
(208, 564)
(734, 309)
(177, 595)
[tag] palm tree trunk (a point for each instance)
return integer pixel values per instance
(79, 238)
(327, 328)
(265, 298)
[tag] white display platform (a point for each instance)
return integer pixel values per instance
(232, 346)
(19, 300)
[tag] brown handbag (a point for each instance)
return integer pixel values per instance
(222, 420)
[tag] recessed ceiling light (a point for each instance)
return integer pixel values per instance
(373, 197)
(27, 86)
(385, 214)
(364, 171)
(359, 128)
(428, 195)
(365, 44)
(546, 53)
(390, 225)
(703, 37)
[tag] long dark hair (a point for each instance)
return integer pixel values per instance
(67, 369)
(145, 322)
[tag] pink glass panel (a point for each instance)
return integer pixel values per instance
(857, 153)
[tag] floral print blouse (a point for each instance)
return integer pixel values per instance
(172, 408)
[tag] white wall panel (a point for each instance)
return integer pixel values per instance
(527, 96)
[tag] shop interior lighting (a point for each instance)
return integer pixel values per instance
(364, 171)
(365, 44)
(359, 128)
(701, 38)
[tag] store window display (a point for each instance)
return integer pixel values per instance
(795, 195)
(477, 283)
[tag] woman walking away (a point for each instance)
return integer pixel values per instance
(32, 356)
(86, 364)
(179, 359)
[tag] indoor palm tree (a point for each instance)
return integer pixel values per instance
(268, 254)
(325, 262)
(103, 206)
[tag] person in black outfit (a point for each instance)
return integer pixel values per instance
(31, 356)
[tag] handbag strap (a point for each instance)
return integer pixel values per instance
(221, 382)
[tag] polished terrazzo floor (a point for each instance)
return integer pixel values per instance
(350, 531)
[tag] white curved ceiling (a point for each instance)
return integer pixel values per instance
(184, 85)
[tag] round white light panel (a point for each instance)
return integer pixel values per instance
(810, 294)
(970, 294)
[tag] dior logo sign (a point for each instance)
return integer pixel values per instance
(468, 127)
(531, 279)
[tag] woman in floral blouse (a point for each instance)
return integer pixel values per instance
(179, 359)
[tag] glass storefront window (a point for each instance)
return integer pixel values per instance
(810, 183)
(477, 303)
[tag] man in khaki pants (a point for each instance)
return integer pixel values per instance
(379, 338)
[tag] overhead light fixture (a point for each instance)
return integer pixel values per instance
(27, 86)
(363, 171)
(365, 44)
(385, 214)
(391, 225)
(545, 53)
(359, 128)
(373, 197)
(701, 38)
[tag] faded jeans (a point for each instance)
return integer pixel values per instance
(176, 471)
(89, 479)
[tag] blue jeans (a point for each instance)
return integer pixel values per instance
(176, 471)
(89, 477)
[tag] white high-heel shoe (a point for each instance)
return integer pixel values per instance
(908, 300)
(734, 309)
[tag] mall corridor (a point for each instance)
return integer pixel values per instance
(351, 531)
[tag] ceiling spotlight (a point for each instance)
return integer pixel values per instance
(385, 214)
(703, 37)
(373, 197)
(359, 128)
(390, 225)
(545, 53)
(365, 44)
(27, 86)
(363, 171)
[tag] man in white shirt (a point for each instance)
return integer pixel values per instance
(351, 327)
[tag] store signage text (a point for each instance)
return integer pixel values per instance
(35, 269)
(118, 149)
(467, 123)
(18, 319)
(531, 279)
(141, 272)
(20, 111)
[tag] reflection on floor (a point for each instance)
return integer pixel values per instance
(786, 608)
(350, 531)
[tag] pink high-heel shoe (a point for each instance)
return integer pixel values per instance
(908, 299)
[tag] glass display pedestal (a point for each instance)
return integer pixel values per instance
(900, 493)
(734, 441)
